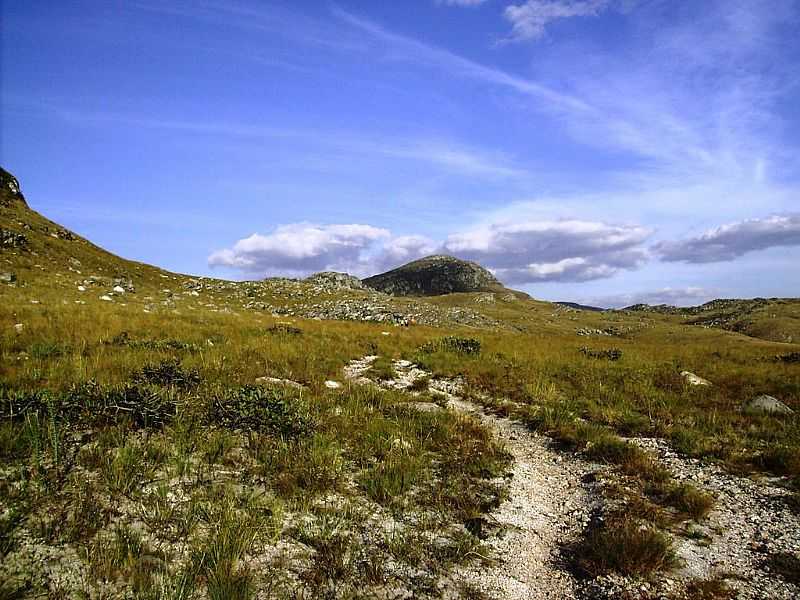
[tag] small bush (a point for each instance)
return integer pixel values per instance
(124, 339)
(612, 354)
(458, 345)
(690, 500)
(47, 350)
(265, 410)
(167, 373)
(625, 546)
(284, 329)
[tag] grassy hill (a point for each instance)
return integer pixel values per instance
(775, 319)
(146, 454)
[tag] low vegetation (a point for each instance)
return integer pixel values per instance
(177, 439)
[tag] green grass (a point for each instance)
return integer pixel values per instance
(133, 436)
(626, 546)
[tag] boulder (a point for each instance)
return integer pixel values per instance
(693, 379)
(8, 277)
(767, 405)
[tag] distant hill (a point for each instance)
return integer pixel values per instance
(434, 276)
(577, 306)
(774, 319)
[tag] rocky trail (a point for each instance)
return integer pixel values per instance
(751, 525)
(548, 502)
(551, 496)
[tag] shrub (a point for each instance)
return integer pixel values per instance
(266, 410)
(167, 373)
(284, 329)
(625, 546)
(46, 350)
(124, 339)
(611, 354)
(458, 345)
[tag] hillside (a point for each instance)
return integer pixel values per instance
(774, 319)
(170, 436)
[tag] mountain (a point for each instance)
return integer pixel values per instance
(435, 276)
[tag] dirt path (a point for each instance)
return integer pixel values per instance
(548, 505)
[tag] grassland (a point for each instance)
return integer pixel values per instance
(141, 457)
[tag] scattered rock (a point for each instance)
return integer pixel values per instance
(333, 385)
(278, 381)
(106, 298)
(331, 281)
(119, 289)
(693, 379)
(767, 405)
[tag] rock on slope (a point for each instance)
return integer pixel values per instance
(433, 276)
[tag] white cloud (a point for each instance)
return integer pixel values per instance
(529, 20)
(518, 253)
(728, 242)
(403, 249)
(300, 248)
(566, 250)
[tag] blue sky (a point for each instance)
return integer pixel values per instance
(604, 151)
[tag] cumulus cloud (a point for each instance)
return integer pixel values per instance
(529, 20)
(566, 250)
(403, 249)
(517, 253)
(301, 248)
(688, 296)
(733, 240)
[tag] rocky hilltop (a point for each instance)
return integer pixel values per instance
(9, 189)
(434, 276)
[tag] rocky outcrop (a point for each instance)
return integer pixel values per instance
(9, 189)
(331, 281)
(434, 276)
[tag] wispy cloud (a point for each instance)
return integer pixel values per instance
(441, 153)
(731, 241)
(529, 20)
(407, 48)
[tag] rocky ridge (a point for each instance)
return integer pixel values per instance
(433, 276)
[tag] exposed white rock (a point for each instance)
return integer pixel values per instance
(767, 405)
(119, 289)
(333, 385)
(278, 381)
(19, 327)
(106, 298)
(693, 379)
